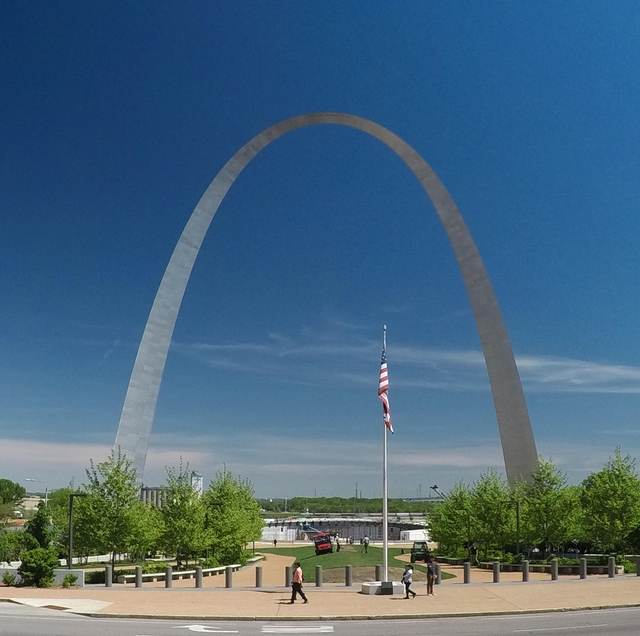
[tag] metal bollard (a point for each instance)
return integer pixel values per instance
(198, 576)
(288, 576)
(108, 576)
(348, 576)
(228, 576)
(554, 569)
(378, 573)
(467, 572)
(525, 570)
(259, 576)
(438, 574)
(612, 567)
(318, 576)
(583, 568)
(496, 571)
(138, 576)
(168, 576)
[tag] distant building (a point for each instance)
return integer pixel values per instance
(152, 495)
(357, 527)
(197, 482)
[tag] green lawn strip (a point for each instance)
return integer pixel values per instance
(308, 559)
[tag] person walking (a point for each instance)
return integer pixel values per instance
(365, 543)
(473, 551)
(431, 575)
(407, 579)
(296, 583)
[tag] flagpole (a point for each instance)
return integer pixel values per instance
(385, 511)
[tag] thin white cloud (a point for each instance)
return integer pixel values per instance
(321, 359)
(286, 466)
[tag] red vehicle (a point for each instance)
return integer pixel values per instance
(323, 543)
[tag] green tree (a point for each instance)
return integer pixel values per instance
(6, 513)
(37, 567)
(451, 521)
(59, 508)
(14, 544)
(493, 510)
(107, 516)
(40, 527)
(549, 509)
(11, 493)
(233, 517)
(611, 501)
(184, 530)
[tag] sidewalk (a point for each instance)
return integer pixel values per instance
(331, 602)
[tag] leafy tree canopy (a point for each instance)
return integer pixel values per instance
(11, 493)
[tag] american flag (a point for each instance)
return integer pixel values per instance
(383, 390)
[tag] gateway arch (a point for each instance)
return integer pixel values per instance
(516, 435)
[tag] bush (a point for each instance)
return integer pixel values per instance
(37, 567)
(9, 579)
(69, 580)
(629, 566)
(210, 562)
(568, 561)
(94, 578)
(153, 567)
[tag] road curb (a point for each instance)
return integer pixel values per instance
(376, 617)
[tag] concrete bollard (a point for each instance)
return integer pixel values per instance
(496, 571)
(259, 576)
(228, 576)
(612, 567)
(525, 571)
(348, 576)
(288, 576)
(638, 566)
(583, 568)
(168, 576)
(378, 573)
(438, 574)
(318, 576)
(138, 576)
(198, 576)
(108, 576)
(467, 572)
(554, 569)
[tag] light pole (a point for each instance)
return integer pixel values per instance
(46, 489)
(71, 496)
(517, 502)
(466, 512)
(435, 489)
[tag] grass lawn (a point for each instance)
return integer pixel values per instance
(348, 555)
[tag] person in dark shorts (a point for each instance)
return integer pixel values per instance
(296, 584)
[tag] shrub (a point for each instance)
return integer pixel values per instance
(210, 562)
(37, 567)
(153, 567)
(69, 580)
(629, 566)
(9, 579)
(94, 578)
(568, 561)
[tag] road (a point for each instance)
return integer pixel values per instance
(17, 620)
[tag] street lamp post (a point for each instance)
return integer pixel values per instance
(466, 512)
(46, 489)
(71, 496)
(517, 526)
(435, 489)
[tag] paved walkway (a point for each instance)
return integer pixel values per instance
(271, 602)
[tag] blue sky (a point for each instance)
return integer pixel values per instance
(115, 118)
